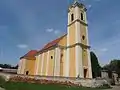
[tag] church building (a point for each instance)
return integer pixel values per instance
(68, 55)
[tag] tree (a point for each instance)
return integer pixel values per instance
(96, 68)
(8, 66)
(114, 65)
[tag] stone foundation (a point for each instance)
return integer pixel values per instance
(55, 80)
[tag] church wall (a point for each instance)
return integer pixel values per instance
(83, 32)
(22, 65)
(63, 41)
(30, 64)
(38, 63)
(85, 60)
(44, 63)
(64, 62)
(51, 62)
(72, 63)
(72, 39)
(36, 66)
(19, 71)
(85, 57)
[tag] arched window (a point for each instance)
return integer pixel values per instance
(82, 17)
(83, 37)
(27, 72)
(72, 17)
(51, 57)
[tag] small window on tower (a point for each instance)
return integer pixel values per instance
(82, 17)
(51, 57)
(83, 37)
(72, 17)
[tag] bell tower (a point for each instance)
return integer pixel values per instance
(78, 53)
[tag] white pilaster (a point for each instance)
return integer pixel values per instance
(57, 62)
(37, 64)
(78, 49)
(48, 56)
(64, 63)
(19, 67)
(42, 64)
(23, 66)
(67, 53)
(79, 62)
(77, 13)
(89, 64)
(87, 35)
(36, 67)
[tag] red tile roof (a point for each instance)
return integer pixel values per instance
(52, 43)
(30, 55)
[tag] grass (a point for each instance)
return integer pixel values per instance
(30, 86)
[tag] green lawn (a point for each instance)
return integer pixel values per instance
(29, 86)
(26, 86)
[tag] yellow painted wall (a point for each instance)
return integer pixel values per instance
(72, 11)
(44, 64)
(64, 62)
(83, 32)
(30, 65)
(72, 64)
(85, 61)
(61, 63)
(85, 57)
(38, 63)
(51, 63)
(72, 34)
(63, 41)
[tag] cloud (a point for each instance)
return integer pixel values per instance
(100, 51)
(104, 50)
(54, 31)
(49, 30)
(22, 46)
(89, 6)
(97, 0)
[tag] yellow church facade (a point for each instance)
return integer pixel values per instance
(67, 56)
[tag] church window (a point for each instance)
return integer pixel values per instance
(27, 72)
(83, 37)
(51, 57)
(72, 17)
(82, 17)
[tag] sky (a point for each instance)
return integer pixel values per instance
(29, 24)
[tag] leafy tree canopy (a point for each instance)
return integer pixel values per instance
(8, 66)
(114, 65)
(96, 68)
